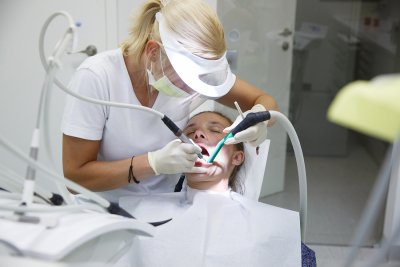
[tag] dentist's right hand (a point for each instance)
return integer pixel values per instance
(175, 157)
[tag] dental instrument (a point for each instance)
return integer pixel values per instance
(251, 119)
(242, 115)
(239, 109)
(218, 147)
(179, 133)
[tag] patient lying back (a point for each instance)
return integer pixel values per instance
(212, 223)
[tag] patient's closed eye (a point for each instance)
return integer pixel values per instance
(216, 130)
(189, 131)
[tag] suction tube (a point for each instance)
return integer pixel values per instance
(301, 167)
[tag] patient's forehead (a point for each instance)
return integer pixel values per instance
(209, 118)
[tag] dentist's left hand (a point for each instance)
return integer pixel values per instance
(175, 157)
(254, 135)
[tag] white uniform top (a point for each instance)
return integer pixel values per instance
(212, 229)
(123, 132)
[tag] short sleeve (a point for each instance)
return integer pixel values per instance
(83, 119)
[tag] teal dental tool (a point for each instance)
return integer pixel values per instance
(218, 147)
(251, 119)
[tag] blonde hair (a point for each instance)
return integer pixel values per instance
(194, 22)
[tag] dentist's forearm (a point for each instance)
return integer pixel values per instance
(108, 175)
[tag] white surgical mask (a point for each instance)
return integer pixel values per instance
(164, 85)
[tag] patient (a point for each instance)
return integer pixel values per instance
(212, 224)
(206, 130)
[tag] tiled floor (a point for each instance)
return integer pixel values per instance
(338, 188)
(335, 256)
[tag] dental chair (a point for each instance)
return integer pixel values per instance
(255, 165)
(255, 168)
(255, 171)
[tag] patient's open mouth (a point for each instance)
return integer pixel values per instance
(204, 151)
(203, 162)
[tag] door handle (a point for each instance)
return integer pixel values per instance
(286, 32)
(90, 50)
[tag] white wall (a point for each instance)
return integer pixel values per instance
(22, 74)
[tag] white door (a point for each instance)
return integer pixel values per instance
(259, 35)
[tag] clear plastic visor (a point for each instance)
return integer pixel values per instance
(210, 77)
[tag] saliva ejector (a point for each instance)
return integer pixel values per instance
(251, 119)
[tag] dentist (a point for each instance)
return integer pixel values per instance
(173, 60)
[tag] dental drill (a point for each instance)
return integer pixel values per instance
(179, 133)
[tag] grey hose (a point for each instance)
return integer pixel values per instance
(301, 168)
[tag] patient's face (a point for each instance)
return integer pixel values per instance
(206, 130)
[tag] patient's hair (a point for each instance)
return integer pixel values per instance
(234, 182)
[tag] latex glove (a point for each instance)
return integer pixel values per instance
(175, 157)
(254, 135)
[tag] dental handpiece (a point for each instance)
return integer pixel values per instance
(251, 119)
(178, 133)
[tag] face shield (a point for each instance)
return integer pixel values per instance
(209, 77)
(175, 99)
(166, 85)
